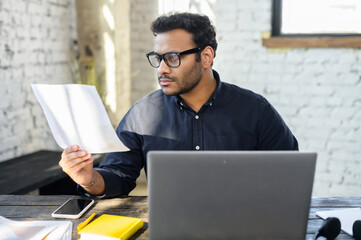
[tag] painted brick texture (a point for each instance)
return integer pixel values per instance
(143, 12)
(317, 91)
(35, 43)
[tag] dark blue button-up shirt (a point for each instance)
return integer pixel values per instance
(232, 119)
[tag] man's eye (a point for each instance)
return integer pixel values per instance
(157, 58)
(172, 57)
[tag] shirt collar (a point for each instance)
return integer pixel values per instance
(218, 88)
(179, 101)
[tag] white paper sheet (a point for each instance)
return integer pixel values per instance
(35, 230)
(76, 116)
(347, 217)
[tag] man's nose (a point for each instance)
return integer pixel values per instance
(163, 68)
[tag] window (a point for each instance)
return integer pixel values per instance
(315, 23)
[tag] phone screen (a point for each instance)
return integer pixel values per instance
(73, 206)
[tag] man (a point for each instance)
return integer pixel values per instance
(194, 110)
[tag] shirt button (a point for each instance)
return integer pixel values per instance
(196, 117)
(197, 147)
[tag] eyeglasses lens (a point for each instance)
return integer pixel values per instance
(171, 59)
(154, 60)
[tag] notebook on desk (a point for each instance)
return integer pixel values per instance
(229, 195)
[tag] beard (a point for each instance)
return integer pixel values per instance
(185, 83)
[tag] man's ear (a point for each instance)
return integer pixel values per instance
(207, 57)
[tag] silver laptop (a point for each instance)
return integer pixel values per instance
(229, 194)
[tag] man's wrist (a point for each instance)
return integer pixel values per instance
(89, 185)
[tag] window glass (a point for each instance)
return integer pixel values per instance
(321, 17)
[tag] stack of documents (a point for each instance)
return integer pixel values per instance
(34, 230)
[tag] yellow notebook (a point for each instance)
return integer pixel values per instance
(107, 227)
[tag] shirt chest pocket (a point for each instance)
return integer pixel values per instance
(232, 142)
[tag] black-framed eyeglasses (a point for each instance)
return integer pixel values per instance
(172, 59)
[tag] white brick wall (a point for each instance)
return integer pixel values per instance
(35, 43)
(317, 91)
(143, 12)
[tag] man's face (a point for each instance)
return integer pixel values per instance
(182, 79)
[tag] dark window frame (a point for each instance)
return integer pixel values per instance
(305, 40)
(277, 24)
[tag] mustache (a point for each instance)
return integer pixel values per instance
(161, 77)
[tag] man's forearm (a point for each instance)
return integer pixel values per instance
(97, 186)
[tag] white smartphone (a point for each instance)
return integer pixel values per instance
(73, 208)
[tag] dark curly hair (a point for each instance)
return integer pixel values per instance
(204, 33)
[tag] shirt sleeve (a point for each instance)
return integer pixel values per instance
(120, 170)
(274, 133)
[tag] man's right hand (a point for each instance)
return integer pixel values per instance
(78, 164)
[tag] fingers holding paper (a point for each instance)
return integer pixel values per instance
(78, 164)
